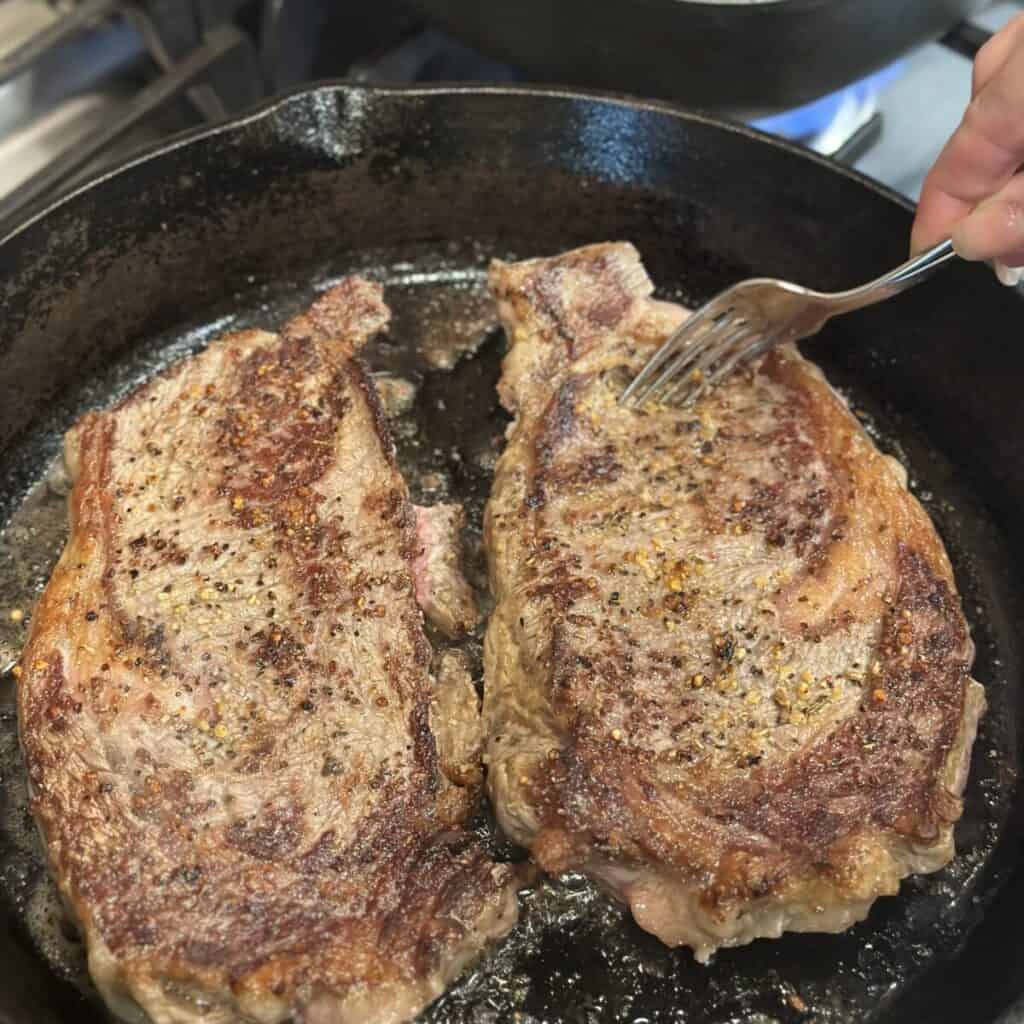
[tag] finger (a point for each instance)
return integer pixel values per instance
(995, 229)
(993, 55)
(970, 169)
(980, 158)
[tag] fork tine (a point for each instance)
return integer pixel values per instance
(745, 354)
(694, 371)
(738, 340)
(685, 355)
(680, 337)
(742, 352)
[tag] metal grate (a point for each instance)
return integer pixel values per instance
(81, 82)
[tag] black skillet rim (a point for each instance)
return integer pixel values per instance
(268, 108)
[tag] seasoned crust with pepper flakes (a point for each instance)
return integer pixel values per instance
(728, 672)
(237, 755)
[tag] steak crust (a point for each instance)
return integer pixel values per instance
(728, 672)
(227, 708)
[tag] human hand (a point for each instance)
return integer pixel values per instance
(974, 192)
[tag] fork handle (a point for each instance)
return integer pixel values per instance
(905, 276)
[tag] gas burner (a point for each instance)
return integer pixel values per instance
(842, 125)
(432, 56)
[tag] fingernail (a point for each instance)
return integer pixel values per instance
(1010, 276)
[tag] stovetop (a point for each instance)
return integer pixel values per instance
(132, 74)
(921, 109)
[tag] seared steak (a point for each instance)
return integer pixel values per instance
(727, 675)
(441, 589)
(250, 792)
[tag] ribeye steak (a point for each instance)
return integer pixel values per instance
(728, 672)
(250, 785)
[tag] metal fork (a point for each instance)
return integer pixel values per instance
(751, 317)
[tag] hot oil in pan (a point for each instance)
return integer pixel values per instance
(575, 956)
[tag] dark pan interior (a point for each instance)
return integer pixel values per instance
(418, 189)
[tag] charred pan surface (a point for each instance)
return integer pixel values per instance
(226, 701)
(728, 673)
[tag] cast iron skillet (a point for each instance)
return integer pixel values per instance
(419, 188)
(744, 58)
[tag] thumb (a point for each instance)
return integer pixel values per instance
(994, 230)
